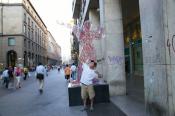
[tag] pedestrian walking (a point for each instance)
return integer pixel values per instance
(25, 73)
(5, 76)
(18, 75)
(46, 68)
(87, 89)
(30, 72)
(67, 72)
(11, 76)
(59, 68)
(40, 74)
(73, 71)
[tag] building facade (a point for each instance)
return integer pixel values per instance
(53, 51)
(23, 34)
(74, 49)
(138, 49)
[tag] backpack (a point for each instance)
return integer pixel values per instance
(25, 70)
(17, 73)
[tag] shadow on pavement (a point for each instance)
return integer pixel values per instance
(105, 109)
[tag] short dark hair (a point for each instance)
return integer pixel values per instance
(67, 65)
(95, 64)
(39, 63)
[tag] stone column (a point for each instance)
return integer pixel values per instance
(158, 33)
(114, 47)
(95, 20)
(1, 33)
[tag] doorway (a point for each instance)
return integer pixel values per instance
(11, 58)
(133, 49)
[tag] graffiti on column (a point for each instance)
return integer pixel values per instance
(115, 60)
(171, 44)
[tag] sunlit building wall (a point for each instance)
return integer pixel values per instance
(23, 34)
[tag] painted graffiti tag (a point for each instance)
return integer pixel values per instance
(116, 60)
(170, 44)
(173, 38)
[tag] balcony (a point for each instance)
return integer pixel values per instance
(76, 5)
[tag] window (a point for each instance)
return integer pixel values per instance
(28, 44)
(32, 36)
(49, 49)
(25, 30)
(28, 32)
(38, 36)
(25, 43)
(28, 21)
(138, 54)
(24, 18)
(35, 47)
(32, 47)
(35, 33)
(11, 41)
(32, 25)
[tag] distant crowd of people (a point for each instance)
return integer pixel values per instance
(10, 74)
(70, 72)
(13, 75)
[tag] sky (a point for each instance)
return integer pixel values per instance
(52, 12)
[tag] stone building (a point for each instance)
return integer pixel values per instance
(23, 34)
(138, 48)
(74, 49)
(53, 51)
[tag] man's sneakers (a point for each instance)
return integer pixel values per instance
(91, 109)
(40, 91)
(85, 109)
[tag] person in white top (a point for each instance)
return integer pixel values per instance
(40, 74)
(5, 76)
(18, 74)
(73, 71)
(87, 77)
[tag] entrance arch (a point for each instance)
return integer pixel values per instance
(11, 58)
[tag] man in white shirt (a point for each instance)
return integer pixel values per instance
(40, 74)
(87, 77)
(5, 76)
(73, 71)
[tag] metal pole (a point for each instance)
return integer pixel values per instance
(131, 57)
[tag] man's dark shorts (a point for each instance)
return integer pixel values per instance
(40, 76)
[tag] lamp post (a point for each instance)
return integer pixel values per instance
(131, 56)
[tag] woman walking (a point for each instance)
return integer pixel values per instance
(18, 74)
